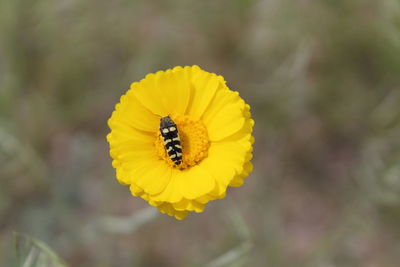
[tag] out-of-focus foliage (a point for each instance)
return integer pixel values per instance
(32, 252)
(322, 78)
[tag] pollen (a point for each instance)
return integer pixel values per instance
(194, 140)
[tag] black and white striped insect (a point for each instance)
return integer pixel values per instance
(172, 142)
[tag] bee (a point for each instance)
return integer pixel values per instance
(172, 142)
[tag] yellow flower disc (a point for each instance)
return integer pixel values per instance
(215, 129)
(194, 138)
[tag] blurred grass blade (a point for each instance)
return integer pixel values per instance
(233, 257)
(32, 252)
(125, 225)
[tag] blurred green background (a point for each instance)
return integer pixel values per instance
(322, 78)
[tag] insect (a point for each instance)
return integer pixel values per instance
(172, 142)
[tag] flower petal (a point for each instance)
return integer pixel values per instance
(239, 179)
(224, 116)
(171, 193)
(149, 94)
(189, 205)
(176, 89)
(195, 182)
(169, 209)
(122, 175)
(152, 176)
(123, 136)
(204, 86)
(166, 92)
(234, 154)
(131, 112)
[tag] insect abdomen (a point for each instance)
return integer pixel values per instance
(172, 142)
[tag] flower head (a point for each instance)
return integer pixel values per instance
(179, 138)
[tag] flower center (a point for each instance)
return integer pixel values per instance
(194, 141)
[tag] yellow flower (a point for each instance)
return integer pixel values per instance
(214, 125)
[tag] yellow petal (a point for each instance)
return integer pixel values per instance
(204, 86)
(180, 215)
(234, 155)
(246, 130)
(239, 179)
(204, 199)
(126, 144)
(176, 89)
(136, 190)
(165, 92)
(169, 209)
(196, 206)
(125, 139)
(224, 116)
(171, 193)
(122, 176)
(181, 205)
(236, 182)
(222, 170)
(132, 113)
(152, 176)
(129, 154)
(189, 205)
(138, 164)
(195, 182)
(149, 94)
